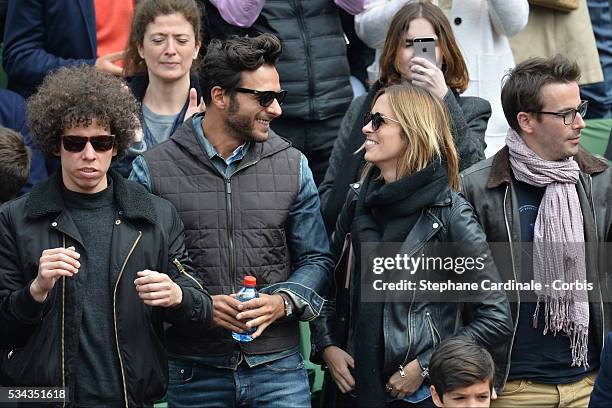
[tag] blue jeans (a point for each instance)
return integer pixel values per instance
(279, 383)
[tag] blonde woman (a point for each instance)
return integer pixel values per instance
(406, 195)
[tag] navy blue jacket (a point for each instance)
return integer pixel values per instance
(41, 36)
(602, 391)
(13, 116)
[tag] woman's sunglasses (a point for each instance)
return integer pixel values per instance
(377, 120)
(265, 97)
(75, 144)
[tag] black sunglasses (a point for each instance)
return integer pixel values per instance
(75, 144)
(265, 97)
(377, 120)
(569, 115)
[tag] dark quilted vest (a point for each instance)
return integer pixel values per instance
(313, 66)
(233, 227)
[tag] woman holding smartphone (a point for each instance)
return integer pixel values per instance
(406, 195)
(447, 78)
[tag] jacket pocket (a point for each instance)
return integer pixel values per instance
(180, 372)
(38, 362)
(290, 363)
(514, 387)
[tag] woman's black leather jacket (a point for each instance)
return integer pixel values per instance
(412, 329)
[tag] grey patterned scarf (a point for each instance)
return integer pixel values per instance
(558, 243)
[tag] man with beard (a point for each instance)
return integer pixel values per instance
(250, 207)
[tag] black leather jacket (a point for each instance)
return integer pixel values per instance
(413, 329)
(43, 337)
(488, 186)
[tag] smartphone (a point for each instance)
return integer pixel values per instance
(425, 47)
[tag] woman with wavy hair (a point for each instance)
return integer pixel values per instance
(447, 78)
(160, 64)
(407, 198)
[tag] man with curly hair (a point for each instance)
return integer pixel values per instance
(92, 266)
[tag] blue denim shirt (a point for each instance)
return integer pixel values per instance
(307, 241)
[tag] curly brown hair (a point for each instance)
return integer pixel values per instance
(146, 12)
(74, 96)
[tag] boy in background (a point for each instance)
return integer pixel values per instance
(461, 374)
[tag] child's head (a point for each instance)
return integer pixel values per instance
(14, 163)
(461, 374)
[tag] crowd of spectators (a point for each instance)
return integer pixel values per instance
(266, 124)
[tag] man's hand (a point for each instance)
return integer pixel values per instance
(54, 263)
(106, 64)
(195, 105)
(338, 361)
(157, 289)
(261, 312)
(402, 387)
(225, 309)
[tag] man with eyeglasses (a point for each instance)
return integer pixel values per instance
(93, 268)
(550, 200)
(250, 207)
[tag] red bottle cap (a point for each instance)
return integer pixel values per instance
(250, 281)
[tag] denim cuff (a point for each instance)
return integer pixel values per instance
(307, 302)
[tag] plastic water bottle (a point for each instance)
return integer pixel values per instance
(247, 292)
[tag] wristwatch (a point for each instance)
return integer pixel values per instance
(288, 304)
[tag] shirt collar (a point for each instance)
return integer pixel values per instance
(209, 149)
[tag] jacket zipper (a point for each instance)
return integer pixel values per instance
(432, 328)
(230, 224)
(182, 270)
(409, 330)
(63, 304)
(230, 231)
(115, 316)
(518, 295)
(603, 337)
(300, 15)
(410, 318)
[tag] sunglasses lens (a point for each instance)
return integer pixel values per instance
(74, 143)
(375, 118)
(101, 143)
(367, 118)
(266, 98)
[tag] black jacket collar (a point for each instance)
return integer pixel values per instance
(132, 199)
